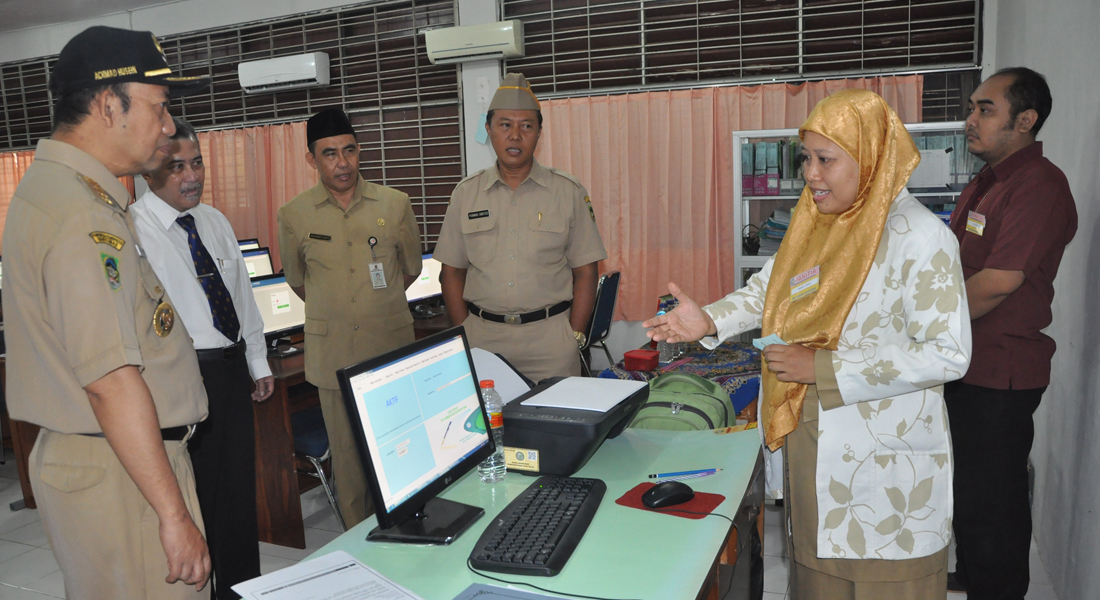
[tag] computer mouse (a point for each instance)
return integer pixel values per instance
(669, 493)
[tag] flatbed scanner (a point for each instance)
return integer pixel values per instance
(540, 440)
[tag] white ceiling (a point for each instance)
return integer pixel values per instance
(24, 14)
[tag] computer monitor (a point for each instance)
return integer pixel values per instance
(249, 244)
(258, 262)
(427, 284)
(282, 310)
(420, 424)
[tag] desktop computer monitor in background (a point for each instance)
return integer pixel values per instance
(427, 284)
(282, 310)
(419, 424)
(258, 262)
(249, 244)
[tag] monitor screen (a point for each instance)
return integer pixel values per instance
(427, 285)
(418, 417)
(258, 262)
(249, 244)
(282, 310)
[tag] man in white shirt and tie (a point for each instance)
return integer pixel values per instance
(194, 251)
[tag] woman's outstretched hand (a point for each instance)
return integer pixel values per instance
(686, 323)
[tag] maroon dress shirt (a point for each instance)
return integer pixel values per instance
(1029, 218)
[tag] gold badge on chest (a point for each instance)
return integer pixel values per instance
(381, 222)
(163, 319)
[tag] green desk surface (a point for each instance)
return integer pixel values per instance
(626, 553)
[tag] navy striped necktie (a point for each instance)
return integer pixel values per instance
(221, 304)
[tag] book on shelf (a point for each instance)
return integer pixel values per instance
(747, 164)
(760, 170)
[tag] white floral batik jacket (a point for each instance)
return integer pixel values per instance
(884, 462)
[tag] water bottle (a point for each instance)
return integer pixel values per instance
(492, 469)
(666, 351)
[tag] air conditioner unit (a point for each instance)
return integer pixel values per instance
(284, 73)
(475, 42)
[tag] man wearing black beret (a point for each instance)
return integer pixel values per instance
(349, 248)
(96, 356)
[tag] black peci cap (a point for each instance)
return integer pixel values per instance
(106, 55)
(328, 123)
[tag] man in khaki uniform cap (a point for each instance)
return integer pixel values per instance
(520, 248)
(96, 356)
(349, 248)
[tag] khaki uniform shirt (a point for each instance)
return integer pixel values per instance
(81, 300)
(519, 246)
(327, 250)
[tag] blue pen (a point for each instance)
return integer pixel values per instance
(695, 472)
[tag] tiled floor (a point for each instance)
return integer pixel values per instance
(28, 570)
(777, 565)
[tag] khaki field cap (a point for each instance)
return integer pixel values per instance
(514, 93)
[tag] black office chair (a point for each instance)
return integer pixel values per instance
(599, 326)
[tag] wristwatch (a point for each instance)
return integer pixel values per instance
(581, 338)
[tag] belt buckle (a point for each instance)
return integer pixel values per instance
(513, 319)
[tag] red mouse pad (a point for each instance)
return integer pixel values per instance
(701, 503)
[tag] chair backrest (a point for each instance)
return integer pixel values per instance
(607, 293)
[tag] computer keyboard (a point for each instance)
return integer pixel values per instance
(538, 531)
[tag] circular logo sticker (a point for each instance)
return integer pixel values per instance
(163, 319)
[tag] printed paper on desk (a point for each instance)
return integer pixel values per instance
(586, 393)
(335, 576)
(483, 591)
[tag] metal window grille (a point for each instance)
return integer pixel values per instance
(406, 111)
(589, 45)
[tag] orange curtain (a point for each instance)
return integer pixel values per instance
(659, 169)
(251, 173)
(12, 167)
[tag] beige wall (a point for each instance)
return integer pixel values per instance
(1058, 38)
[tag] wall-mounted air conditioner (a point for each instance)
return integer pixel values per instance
(475, 42)
(284, 73)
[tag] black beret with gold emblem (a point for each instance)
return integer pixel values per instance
(103, 55)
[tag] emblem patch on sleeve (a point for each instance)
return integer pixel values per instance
(163, 319)
(102, 237)
(110, 268)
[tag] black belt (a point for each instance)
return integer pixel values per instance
(531, 317)
(171, 434)
(222, 353)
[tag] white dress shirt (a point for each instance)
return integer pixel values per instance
(165, 244)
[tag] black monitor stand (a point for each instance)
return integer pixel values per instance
(438, 522)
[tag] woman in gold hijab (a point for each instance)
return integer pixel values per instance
(867, 294)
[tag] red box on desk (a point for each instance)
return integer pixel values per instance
(640, 360)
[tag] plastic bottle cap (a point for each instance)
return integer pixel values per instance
(487, 383)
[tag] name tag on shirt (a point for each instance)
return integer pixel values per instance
(975, 223)
(805, 283)
(377, 275)
(320, 236)
(480, 214)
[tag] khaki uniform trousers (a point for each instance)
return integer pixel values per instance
(542, 349)
(352, 495)
(103, 532)
(923, 578)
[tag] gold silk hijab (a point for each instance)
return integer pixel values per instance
(843, 246)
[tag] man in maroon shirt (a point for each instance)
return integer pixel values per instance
(1013, 222)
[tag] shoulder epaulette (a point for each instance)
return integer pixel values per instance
(98, 192)
(471, 176)
(576, 182)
